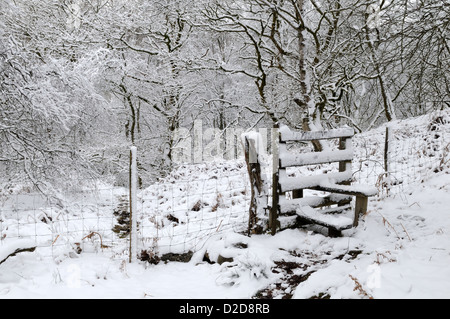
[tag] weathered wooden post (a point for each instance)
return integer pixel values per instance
(273, 214)
(386, 151)
(133, 203)
(361, 203)
(386, 183)
(256, 184)
(344, 144)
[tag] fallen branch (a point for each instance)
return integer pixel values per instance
(15, 252)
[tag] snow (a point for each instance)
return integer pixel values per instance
(339, 222)
(289, 205)
(408, 260)
(287, 134)
(258, 140)
(399, 250)
(288, 159)
(355, 188)
(11, 247)
(289, 183)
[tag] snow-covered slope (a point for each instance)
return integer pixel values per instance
(192, 204)
(399, 250)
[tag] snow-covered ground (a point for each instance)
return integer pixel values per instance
(401, 249)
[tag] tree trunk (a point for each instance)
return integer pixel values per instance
(304, 86)
(305, 100)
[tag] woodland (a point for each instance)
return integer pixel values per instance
(83, 80)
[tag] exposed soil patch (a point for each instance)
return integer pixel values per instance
(294, 273)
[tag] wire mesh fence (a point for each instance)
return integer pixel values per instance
(180, 214)
(172, 217)
(82, 220)
(401, 156)
(179, 217)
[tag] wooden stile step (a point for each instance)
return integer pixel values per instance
(290, 205)
(355, 190)
(314, 158)
(286, 135)
(292, 183)
(336, 222)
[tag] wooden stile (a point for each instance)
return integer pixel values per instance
(316, 209)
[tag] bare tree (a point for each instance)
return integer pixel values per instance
(43, 96)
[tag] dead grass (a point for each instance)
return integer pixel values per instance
(359, 288)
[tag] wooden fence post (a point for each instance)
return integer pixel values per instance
(256, 185)
(273, 214)
(387, 182)
(133, 203)
(386, 150)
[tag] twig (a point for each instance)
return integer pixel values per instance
(95, 233)
(378, 261)
(409, 237)
(385, 221)
(55, 240)
(220, 224)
